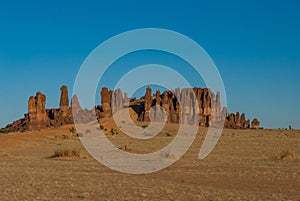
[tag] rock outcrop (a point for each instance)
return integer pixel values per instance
(188, 106)
(197, 106)
(145, 114)
(117, 100)
(236, 121)
(64, 100)
(37, 115)
(105, 107)
(255, 124)
(62, 115)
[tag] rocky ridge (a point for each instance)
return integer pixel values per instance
(176, 106)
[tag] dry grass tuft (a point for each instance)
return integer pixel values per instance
(287, 155)
(4, 154)
(66, 152)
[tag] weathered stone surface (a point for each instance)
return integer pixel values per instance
(157, 98)
(64, 99)
(218, 102)
(231, 121)
(189, 107)
(147, 105)
(237, 120)
(126, 100)
(106, 97)
(117, 101)
(206, 102)
(185, 106)
(245, 123)
(255, 124)
(159, 115)
(63, 115)
(75, 104)
(165, 104)
(217, 117)
(177, 94)
(37, 115)
(209, 110)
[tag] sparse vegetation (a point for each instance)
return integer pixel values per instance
(100, 128)
(287, 155)
(169, 134)
(79, 135)
(124, 148)
(66, 152)
(113, 132)
(65, 137)
(5, 131)
(72, 130)
(4, 154)
(144, 126)
(255, 156)
(87, 131)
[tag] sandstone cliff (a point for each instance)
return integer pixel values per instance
(189, 106)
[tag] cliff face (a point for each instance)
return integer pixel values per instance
(189, 106)
(37, 115)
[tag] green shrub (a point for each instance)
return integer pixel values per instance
(144, 126)
(72, 130)
(113, 132)
(101, 127)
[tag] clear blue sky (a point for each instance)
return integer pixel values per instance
(255, 45)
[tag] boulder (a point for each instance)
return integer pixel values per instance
(37, 115)
(255, 124)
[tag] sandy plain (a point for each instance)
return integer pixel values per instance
(245, 165)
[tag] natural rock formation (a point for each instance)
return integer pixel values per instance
(165, 104)
(64, 99)
(237, 121)
(195, 106)
(80, 115)
(117, 100)
(185, 106)
(126, 100)
(37, 115)
(244, 123)
(159, 115)
(147, 105)
(76, 108)
(106, 102)
(255, 124)
(62, 115)
(177, 107)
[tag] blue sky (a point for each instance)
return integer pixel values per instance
(255, 45)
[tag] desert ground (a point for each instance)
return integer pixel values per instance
(245, 165)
